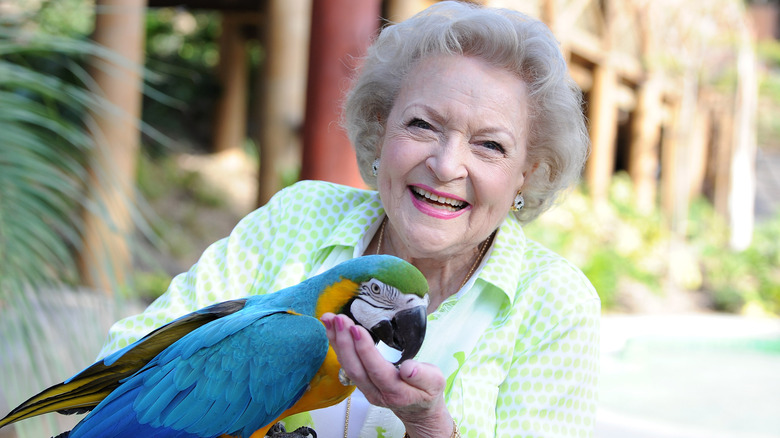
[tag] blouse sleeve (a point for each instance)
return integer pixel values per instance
(551, 387)
(230, 268)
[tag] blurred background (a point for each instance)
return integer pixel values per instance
(133, 133)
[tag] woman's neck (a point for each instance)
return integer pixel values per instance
(446, 276)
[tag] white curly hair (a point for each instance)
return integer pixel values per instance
(558, 142)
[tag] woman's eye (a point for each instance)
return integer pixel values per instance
(492, 145)
(420, 123)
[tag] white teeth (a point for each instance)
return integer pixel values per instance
(440, 199)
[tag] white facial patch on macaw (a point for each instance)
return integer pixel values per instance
(378, 301)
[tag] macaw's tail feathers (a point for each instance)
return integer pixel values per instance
(66, 398)
(77, 395)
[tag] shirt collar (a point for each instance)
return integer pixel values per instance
(354, 227)
(501, 267)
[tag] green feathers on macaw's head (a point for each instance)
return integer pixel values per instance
(388, 269)
(391, 300)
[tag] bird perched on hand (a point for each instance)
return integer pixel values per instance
(238, 366)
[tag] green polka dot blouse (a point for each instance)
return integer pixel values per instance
(530, 370)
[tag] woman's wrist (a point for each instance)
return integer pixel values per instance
(454, 434)
(437, 423)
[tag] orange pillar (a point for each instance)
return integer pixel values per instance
(340, 31)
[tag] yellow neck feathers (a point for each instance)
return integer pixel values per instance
(336, 296)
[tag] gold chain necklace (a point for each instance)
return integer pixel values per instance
(482, 252)
(381, 236)
(346, 416)
(483, 248)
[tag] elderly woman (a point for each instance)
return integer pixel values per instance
(465, 121)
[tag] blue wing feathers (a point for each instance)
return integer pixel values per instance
(233, 375)
(187, 412)
(189, 372)
(152, 379)
(176, 402)
(154, 402)
(111, 421)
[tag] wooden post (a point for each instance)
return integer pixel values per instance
(669, 153)
(282, 85)
(699, 146)
(549, 12)
(105, 257)
(340, 30)
(644, 153)
(723, 156)
(603, 115)
(643, 162)
(676, 156)
(231, 111)
(400, 10)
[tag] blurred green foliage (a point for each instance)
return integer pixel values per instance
(615, 245)
(736, 279)
(769, 94)
(46, 145)
(619, 247)
(182, 54)
(44, 161)
(60, 18)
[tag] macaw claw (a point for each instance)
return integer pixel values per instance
(278, 431)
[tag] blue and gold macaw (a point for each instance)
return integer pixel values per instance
(237, 367)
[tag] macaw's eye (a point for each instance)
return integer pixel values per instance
(375, 288)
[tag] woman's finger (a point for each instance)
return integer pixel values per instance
(339, 328)
(379, 370)
(424, 376)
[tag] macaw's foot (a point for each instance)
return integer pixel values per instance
(278, 431)
(63, 435)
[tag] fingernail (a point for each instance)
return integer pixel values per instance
(413, 373)
(339, 324)
(355, 332)
(328, 323)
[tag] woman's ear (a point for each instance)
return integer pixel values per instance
(530, 171)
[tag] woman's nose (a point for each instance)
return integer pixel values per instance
(448, 160)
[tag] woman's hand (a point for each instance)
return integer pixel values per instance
(413, 391)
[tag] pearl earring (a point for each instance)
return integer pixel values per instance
(519, 202)
(375, 167)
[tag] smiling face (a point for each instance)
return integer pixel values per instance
(453, 155)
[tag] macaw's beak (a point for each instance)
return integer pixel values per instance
(405, 332)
